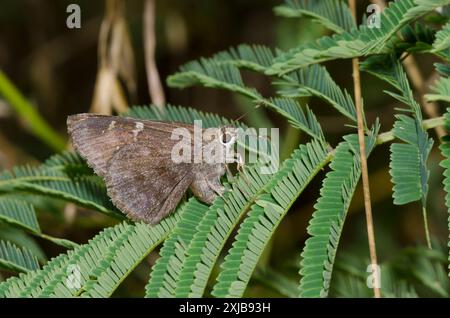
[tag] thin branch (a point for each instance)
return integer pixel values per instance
(154, 82)
(364, 169)
(427, 231)
(421, 86)
(426, 124)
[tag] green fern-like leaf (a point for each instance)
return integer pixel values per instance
(115, 268)
(212, 73)
(357, 42)
(304, 120)
(332, 14)
(442, 69)
(442, 41)
(161, 283)
(94, 269)
(16, 259)
(390, 70)
(77, 262)
(196, 258)
(257, 58)
(417, 38)
(328, 220)
(408, 161)
(177, 113)
(382, 67)
(445, 150)
(441, 91)
(265, 216)
(55, 181)
(20, 214)
(316, 81)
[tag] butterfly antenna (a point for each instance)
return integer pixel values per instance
(246, 113)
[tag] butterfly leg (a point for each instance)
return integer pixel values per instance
(230, 176)
(240, 162)
(206, 190)
(217, 187)
(240, 167)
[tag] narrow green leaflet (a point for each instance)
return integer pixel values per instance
(442, 41)
(18, 213)
(17, 259)
(332, 14)
(257, 58)
(316, 81)
(441, 91)
(408, 161)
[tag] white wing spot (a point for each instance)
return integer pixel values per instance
(137, 130)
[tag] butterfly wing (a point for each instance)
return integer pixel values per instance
(134, 158)
(98, 137)
(144, 183)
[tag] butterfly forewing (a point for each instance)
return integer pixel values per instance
(98, 137)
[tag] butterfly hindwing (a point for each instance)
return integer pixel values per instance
(144, 183)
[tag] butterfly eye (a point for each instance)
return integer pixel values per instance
(226, 138)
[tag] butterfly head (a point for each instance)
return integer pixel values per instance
(228, 135)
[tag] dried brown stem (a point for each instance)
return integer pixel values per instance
(116, 63)
(380, 3)
(421, 86)
(364, 170)
(154, 82)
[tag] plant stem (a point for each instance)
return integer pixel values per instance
(37, 125)
(427, 232)
(364, 169)
(58, 241)
(426, 124)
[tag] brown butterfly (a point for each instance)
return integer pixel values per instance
(136, 160)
